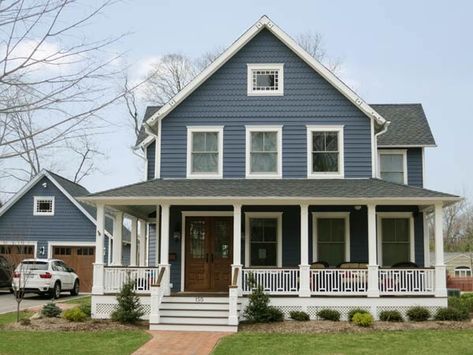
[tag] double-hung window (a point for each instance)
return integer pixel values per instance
(395, 237)
(263, 151)
(265, 79)
(204, 152)
(264, 237)
(325, 152)
(393, 165)
(43, 206)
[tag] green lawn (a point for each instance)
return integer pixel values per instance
(6, 318)
(78, 300)
(403, 343)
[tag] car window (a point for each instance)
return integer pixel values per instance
(58, 266)
(32, 265)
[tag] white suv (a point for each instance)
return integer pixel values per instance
(45, 276)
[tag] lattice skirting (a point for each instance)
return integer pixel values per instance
(103, 306)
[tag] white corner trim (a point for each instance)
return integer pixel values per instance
(53, 244)
(341, 150)
(402, 152)
(263, 128)
(248, 216)
(269, 66)
(43, 198)
(374, 149)
(318, 215)
(219, 173)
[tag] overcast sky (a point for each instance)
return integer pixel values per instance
(392, 52)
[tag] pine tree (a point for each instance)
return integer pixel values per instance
(129, 308)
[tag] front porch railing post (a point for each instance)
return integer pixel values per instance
(237, 245)
(373, 277)
(117, 239)
(440, 269)
(98, 286)
(233, 306)
(133, 240)
(155, 300)
(165, 249)
(304, 267)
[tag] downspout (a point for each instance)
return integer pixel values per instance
(383, 130)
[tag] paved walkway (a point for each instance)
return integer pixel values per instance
(182, 343)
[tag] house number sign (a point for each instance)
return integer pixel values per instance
(199, 300)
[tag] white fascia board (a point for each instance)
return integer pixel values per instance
(265, 22)
(407, 146)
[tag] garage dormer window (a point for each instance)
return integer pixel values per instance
(265, 79)
(43, 206)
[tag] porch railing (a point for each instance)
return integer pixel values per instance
(338, 281)
(273, 281)
(406, 281)
(142, 277)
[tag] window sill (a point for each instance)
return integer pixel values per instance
(265, 93)
(204, 176)
(262, 176)
(326, 176)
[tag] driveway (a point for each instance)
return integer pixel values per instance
(8, 303)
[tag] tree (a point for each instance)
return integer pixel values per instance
(312, 42)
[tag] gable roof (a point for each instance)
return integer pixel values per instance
(143, 136)
(408, 126)
(262, 23)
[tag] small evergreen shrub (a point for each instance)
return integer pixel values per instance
(299, 316)
(50, 310)
(259, 310)
(391, 316)
(75, 315)
(363, 319)
(329, 314)
(274, 314)
(86, 308)
(467, 301)
(452, 314)
(129, 309)
(418, 314)
(354, 311)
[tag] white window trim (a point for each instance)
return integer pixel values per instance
(36, 213)
(268, 66)
(316, 216)
(219, 173)
(51, 245)
(272, 128)
(21, 243)
(341, 156)
(387, 215)
(462, 271)
(403, 152)
(248, 216)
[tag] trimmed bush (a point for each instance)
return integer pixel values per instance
(50, 310)
(129, 309)
(418, 314)
(363, 319)
(452, 314)
(75, 315)
(259, 310)
(391, 316)
(299, 316)
(467, 301)
(274, 314)
(355, 311)
(86, 308)
(329, 314)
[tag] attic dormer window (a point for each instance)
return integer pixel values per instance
(265, 79)
(43, 206)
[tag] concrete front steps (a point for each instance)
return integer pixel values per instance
(194, 313)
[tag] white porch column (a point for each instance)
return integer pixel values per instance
(134, 232)
(142, 244)
(426, 239)
(165, 249)
(158, 232)
(98, 286)
(237, 246)
(117, 239)
(304, 267)
(373, 286)
(440, 269)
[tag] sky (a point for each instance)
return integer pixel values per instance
(391, 52)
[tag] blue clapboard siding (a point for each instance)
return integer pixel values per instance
(414, 167)
(308, 100)
(151, 160)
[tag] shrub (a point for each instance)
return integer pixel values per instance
(86, 308)
(363, 319)
(299, 316)
(354, 311)
(50, 310)
(329, 314)
(75, 315)
(450, 313)
(25, 321)
(391, 316)
(418, 314)
(259, 310)
(129, 309)
(274, 314)
(467, 301)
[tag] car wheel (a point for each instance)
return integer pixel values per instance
(56, 291)
(75, 290)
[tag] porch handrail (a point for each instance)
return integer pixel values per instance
(339, 281)
(160, 277)
(236, 273)
(407, 281)
(142, 277)
(274, 281)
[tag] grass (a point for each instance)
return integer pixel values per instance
(6, 318)
(418, 342)
(79, 300)
(104, 342)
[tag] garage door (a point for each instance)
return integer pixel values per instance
(16, 253)
(81, 259)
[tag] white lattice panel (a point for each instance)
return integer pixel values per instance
(288, 309)
(403, 309)
(344, 310)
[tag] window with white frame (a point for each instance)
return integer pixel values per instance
(264, 239)
(325, 157)
(395, 238)
(43, 206)
(204, 152)
(263, 151)
(463, 271)
(393, 165)
(331, 237)
(265, 79)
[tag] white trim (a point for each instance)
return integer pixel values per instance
(426, 239)
(402, 152)
(263, 128)
(53, 244)
(45, 198)
(374, 149)
(269, 66)
(318, 215)
(248, 216)
(387, 215)
(407, 146)
(185, 214)
(219, 173)
(265, 23)
(423, 167)
(341, 156)
(157, 159)
(20, 243)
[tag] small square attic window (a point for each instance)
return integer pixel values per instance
(43, 206)
(265, 79)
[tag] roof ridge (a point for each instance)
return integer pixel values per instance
(64, 178)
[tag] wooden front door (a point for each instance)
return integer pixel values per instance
(208, 253)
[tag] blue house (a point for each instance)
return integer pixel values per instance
(268, 166)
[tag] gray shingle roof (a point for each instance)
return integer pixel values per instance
(150, 110)
(408, 127)
(306, 188)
